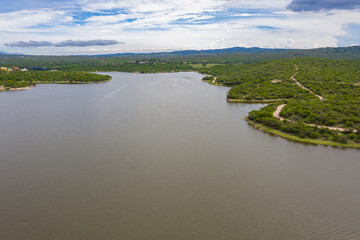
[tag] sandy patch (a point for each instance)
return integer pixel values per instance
(275, 80)
(2, 88)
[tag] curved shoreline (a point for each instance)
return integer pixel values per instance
(253, 101)
(252, 123)
(298, 139)
(3, 89)
(276, 114)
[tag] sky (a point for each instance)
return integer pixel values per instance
(88, 27)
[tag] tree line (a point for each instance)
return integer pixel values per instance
(16, 79)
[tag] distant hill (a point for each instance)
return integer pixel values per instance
(227, 50)
(196, 52)
(7, 53)
(355, 50)
(172, 61)
(352, 51)
(345, 50)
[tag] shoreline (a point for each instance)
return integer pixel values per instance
(69, 82)
(253, 101)
(3, 89)
(251, 123)
(137, 72)
(288, 136)
(291, 137)
(276, 114)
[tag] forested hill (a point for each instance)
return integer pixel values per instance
(352, 50)
(196, 52)
(252, 50)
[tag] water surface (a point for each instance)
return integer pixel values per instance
(163, 156)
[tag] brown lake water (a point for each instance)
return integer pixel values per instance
(163, 156)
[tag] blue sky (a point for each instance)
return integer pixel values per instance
(70, 27)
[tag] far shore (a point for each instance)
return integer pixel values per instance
(2, 88)
(70, 82)
(137, 72)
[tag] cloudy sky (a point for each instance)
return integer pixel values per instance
(115, 26)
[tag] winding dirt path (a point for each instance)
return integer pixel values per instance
(278, 110)
(276, 114)
(302, 86)
(280, 107)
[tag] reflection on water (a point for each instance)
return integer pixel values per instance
(163, 156)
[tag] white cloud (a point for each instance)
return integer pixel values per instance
(21, 20)
(257, 4)
(141, 6)
(153, 24)
(245, 14)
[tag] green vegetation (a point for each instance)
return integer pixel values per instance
(208, 78)
(92, 64)
(160, 62)
(202, 65)
(337, 81)
(261, 76)
(298, 139)
(17, 79)
(301, 130)
(260, 81)
(145, 67)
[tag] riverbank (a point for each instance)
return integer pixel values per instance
(137, 72)
(70, 82)
(276, 114)
(2, 88)
(253, 101)
(298, 139)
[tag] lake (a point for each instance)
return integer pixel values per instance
(163, 156)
